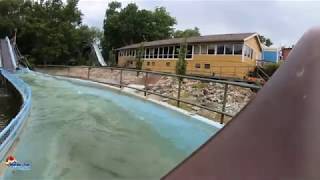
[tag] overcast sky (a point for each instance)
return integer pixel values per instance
(282, 21)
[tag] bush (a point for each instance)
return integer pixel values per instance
(181, 65)
(270, 68)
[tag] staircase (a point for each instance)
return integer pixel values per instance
(261, 73)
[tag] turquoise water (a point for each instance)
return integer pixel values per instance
(80, 132)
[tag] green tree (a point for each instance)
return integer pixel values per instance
(266, 41)
(112, 58)
(187, 33)
(139, 57)
(48, 31)
(128, 25)
(181, 65)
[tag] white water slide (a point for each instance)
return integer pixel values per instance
(99, 55)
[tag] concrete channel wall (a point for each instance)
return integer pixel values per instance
(9, 134)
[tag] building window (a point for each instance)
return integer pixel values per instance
(196, 49)
(134, 52)
(228, 48)
(156, 50)
(151, 52)
(211, 49)
(220, 49)
(168, 64)
(153, 63)
(207, 66)
(131, 62)
(176, 51)
(161, 52)
(204, 49)
(189, 52)
(148, 63)
(237, 49)
(197, 66)
(170, 55)
(248, 52)
(165, 52)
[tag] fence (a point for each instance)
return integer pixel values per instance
(9, 133)
(174, 88)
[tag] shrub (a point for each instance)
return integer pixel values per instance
(181, 66)
(270, 68)
(139, 60)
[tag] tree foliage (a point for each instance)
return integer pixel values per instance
(112, 58)
(187, 33)
(181, 65)
(266, 41)
(128, 25)
(139, 57)
(48, 31)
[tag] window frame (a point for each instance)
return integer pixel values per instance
(160, 53)
(196, 46)
(187, 54)
(225, 49)
(156, 53)
(206, 66)
(165, 53)
(151, 53)
(218, 49)
(206, 47)
(241, 49)
(170, 56)
(214, 48)
(176, 56)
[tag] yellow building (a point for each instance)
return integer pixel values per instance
(226, 55)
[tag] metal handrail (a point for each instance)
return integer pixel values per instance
(10, 132)
(180, 78)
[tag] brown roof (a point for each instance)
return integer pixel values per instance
(198, 39)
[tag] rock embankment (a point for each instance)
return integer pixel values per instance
(204, 93)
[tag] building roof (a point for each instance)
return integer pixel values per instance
(265, 48)
(197, 39)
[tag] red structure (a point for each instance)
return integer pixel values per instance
(281, 141)
(285, 53)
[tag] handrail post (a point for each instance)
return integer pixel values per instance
(120, 78)
(224, 102)
(146, 84)
(179, 91)
(88, 75)
(68, 71)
